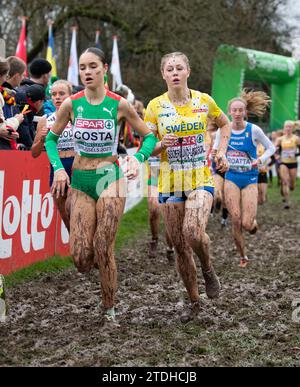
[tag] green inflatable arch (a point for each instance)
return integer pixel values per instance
(234, 65)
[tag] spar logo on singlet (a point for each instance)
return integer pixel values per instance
(89, 130)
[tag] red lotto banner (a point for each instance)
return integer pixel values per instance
(31, 229)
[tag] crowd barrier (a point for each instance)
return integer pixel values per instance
(31, 229)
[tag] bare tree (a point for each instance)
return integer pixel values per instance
(147, 30)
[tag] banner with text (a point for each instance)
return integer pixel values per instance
(31, 228)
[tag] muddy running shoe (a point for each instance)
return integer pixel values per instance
(224, 222)
(153, 248)
(254, 229)
(191, 312)
(170, 255)
(244, 262)
(212, 283)
(3, 307)
(218, 206)
(287, 206)
(110, 321)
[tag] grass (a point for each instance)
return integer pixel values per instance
(275, 197)
(134, 224)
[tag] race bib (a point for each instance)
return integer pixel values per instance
(94, 137)
(239, 161)
(288, 154)
(65, 141)
(188, 153)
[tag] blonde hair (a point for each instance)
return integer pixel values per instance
(256, 102)
(172, 55)
(297, 125)
(290, 122)
(64, 82)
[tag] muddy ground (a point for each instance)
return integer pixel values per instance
(55, 320)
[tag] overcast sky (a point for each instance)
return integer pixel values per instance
(292, 14)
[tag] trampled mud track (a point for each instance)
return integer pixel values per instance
(55, 320)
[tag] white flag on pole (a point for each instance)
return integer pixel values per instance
(73, 61)
(115, 66)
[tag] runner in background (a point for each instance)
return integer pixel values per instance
(241, 191)
(152, 167)
(219, 177)
(262, 177)
(59, 92)
(288, 146)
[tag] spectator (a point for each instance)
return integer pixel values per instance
(40, 70)
(8, 127)
(16, 73)
(49, 108)
(34, 97)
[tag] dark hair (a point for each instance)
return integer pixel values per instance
(4, 67)
(96, 51)
(16, 66)
(40, 67)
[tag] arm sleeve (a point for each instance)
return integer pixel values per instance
(52, 152)
(149, 142)
(260, 137)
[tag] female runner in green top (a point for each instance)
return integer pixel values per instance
(98, 182)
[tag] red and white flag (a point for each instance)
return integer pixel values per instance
(73, 61)
(21, 51)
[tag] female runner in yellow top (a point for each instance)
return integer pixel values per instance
(186, 188)
(288, 145)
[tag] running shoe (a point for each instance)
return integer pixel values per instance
(287, 206)
(212, 283)
(191, 312)
(170, 255)
(110, 321)
(244, 262)
(218, 206)
(153, 248)
(224, 222)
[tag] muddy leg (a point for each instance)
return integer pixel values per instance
(233, 204)
(110, 208)
(173, 214)
(82, 229)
